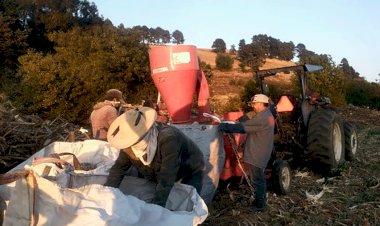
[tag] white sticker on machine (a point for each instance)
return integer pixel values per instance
(161, 69)
(181, 58)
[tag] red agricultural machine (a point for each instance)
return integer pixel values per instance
(309, 132)
(178, 78)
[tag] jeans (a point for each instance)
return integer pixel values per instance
(259, 183)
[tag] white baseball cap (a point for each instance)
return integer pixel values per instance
(259, 98)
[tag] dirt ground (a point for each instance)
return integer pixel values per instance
(351, 198)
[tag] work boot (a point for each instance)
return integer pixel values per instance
(258, 207)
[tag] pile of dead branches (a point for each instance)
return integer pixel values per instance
(23, 135)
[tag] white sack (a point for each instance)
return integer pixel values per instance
(95, 205)
(77, 197)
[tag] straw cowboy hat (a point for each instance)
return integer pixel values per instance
(130, 127)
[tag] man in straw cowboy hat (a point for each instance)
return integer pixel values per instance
(105, 112)
(159, 152)
(258, 146)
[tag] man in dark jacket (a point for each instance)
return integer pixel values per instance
(258, 146)
(160, 153)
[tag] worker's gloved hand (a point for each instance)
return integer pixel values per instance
(231, 128)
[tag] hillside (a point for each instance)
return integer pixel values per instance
(225, 85)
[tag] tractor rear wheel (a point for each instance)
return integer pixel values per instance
(351, 141)
(325, 140)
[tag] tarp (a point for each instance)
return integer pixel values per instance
(50, 195)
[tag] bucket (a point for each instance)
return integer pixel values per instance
(175, 71)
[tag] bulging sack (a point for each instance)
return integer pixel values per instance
(38, 201)
(66, 196)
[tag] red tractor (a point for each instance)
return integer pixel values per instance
(311, 133)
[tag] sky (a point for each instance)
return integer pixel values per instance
(340, 28)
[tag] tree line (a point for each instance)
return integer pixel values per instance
(57, 58)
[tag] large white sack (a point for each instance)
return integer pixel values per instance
(80, 184)
(98, 153)
(95, 205)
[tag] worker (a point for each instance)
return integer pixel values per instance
(160, 153)
(105, 112)
(258, 146)
(160, 116)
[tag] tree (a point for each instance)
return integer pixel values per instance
(165, 37)
(41, 17)
(25, 24)
(347, 69)
(262, 45)
(206, 68)
(12, 44)
(144, 33)
(232, 50)
(219, 46)
(274, 47)
(86, 63)
(224, 62)
(241, 54)
(303, 54)
(329, 82)
(177, 37)
(161, 36)
(286, 51)
(251, 55)
(362, 93)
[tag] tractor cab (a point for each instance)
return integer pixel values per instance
(288, 104)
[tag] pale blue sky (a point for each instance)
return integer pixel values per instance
(340, 28)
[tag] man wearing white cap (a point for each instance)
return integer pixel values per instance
(160, 153)
(258, 146)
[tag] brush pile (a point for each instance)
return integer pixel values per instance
(23, 135)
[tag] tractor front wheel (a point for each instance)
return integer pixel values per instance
(281, 177)
(351, 141)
